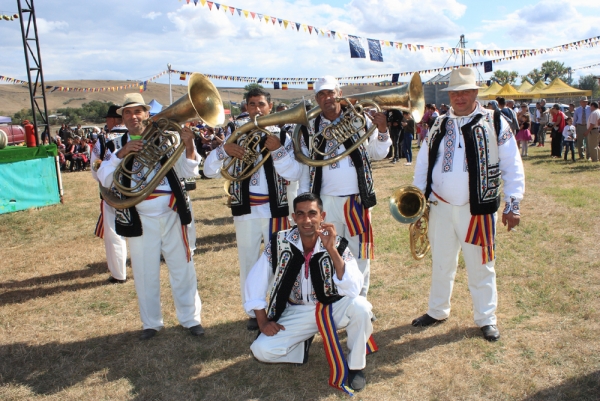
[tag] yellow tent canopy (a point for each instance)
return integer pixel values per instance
(507, 91)
(537, 87)
(558, 88)
(524, 87)
(492, 89)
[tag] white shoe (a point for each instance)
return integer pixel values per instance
(408, 164)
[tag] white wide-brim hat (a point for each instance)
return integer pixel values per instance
(133, 100)
(462, 79)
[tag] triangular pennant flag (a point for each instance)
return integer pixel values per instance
(239, 10)
(267, 19)
(273, 19)
(285, 24)
(217, 5)
(297, 26)
(232, 9)
(310, 30)
(246, 13)
(210, 4)
(253, 14)
(280, 21)
(260, 16)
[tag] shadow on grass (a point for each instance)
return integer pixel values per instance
(178, 364)
(90, 270)
(580, 388)
(218, 221)
(208, 198)
(215, 242)
(18, 296)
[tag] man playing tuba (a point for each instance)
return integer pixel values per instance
(259, 203)
(157, 224)
(346, 186)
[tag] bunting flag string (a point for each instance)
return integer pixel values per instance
(326, 33)
(142, 85)
(586, 67)
(13, 17)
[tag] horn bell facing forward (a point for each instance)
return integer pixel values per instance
(201, 102)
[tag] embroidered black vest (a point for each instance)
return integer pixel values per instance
(127, 221)
(360, 158)
(278, 201)
(481, 201)
(287, 261)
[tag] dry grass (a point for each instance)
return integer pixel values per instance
(66, 334)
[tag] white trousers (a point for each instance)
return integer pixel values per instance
(448, 227)
(164, 235)
(249, 234)
(115, 245)
(287, 346)
(333, 206)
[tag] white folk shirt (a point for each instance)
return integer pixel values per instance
(450, 178)
(285, 165)
(261, 275)
(340, 179)
(593, 119)
(185, 168)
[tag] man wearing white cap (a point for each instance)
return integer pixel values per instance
(470, 150)
(580, 117)
(157, 225)
(346, 186)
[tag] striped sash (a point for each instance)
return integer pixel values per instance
(258, 199)
(481, 232)
(338, 367)
(279, 224)
(158, 193)
(186, 242)
(99, 232)
(358, 220)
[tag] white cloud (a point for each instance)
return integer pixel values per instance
(152, 15)
(44, 26)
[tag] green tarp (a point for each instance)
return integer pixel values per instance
(28, 178)
(11, 154)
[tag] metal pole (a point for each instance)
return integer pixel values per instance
(170, 93)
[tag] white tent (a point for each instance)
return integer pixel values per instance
(155, 107)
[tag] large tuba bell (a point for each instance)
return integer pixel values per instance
(202, 101)
(408, 97)
(250, 137)
(409, 206)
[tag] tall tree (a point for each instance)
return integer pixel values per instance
(505, 77)
(550, 69)
(589, 82)
(249, 87)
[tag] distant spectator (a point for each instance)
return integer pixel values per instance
(81, 155)
(523, 116)
(571, 111)
(523, 137)
(408, 125)
(544, 124)
(69, 151)
(558, 125)
(593, 122)
(569, 137)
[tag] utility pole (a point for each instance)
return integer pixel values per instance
(170, 93)
(33, 61)
(463, 42)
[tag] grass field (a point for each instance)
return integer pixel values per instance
(66, 334)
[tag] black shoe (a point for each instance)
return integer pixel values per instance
(197, 330)
(148, 334)
(357, 380)
(425, 320)
(307, 344)
(373, 318)
(252, 324)
(113, 280)
(491, 332)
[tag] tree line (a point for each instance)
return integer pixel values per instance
(92, 112)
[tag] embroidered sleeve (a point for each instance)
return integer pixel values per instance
(347, 255)
(279, 153)
(221, 155)
(96, 149)
(505, 135)
(512, 206)
(383, 137)
(268, 254)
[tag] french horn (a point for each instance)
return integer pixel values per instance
(409, 206)
(250, 136)
(201, 102)
(408, 97)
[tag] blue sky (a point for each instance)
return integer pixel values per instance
(135, 39)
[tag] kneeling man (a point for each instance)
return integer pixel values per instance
(316, 289)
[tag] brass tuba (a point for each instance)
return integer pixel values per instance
(250, 136)
(409, 206)
(202, 101)
(408, 97)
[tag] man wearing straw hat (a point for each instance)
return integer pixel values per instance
(157, 225)
(470, 150)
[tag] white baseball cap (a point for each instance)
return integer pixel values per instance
(328, 82)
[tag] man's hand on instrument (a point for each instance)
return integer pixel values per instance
(187, 137)
(234, 150)
(380, 120)
(327, 234)
(511, 220)
(272, 143)
(130, 147)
